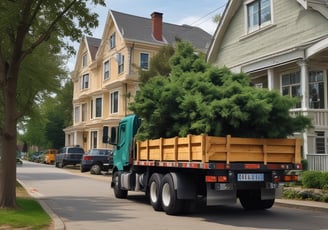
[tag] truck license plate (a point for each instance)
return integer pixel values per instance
(250, 177)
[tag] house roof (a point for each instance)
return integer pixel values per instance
(93, 45)
(139, 29)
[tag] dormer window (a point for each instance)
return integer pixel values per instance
(84, 60)
(112, 41)
(258, 14)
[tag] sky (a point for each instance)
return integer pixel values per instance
(198, 13)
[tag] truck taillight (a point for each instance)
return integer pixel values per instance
(276, 179)
(213, 179)
(210, 179)
(290, 178)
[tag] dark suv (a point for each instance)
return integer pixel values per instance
(69, 156)
(97, 160)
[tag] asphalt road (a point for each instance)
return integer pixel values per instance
(84, 201)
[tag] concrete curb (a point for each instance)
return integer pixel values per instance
(303, 204)
(58, 223)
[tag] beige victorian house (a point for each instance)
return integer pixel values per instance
(106, 71)
(283, 45)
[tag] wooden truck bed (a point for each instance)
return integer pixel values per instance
(205, 149)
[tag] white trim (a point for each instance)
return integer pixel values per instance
(317, 47)
(303, 3)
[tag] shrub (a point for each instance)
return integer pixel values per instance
(324, 180)
(304, 163)
(311, 179)
(291, 194)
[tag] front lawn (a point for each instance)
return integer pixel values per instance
(30, 215)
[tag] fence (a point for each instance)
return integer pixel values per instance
(317, 162)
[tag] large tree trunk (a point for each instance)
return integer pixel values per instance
(8, 139)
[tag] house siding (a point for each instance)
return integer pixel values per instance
(281, 48)
(292, 26)
(129, 31)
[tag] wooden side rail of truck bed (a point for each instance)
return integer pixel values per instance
(205, 149)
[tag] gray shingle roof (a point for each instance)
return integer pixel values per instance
(93, 45)
(140, 29)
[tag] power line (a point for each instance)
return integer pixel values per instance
(209, 13)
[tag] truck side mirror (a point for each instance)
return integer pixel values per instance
(113, 134)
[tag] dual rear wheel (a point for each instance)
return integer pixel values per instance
(162, 194)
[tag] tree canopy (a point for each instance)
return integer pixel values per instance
(198, 98)
(32, 36)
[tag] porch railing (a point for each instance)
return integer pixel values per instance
(319, 116)
(317, 162)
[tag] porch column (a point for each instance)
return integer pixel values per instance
(304, 84)
(305, 99)
(270, 79)
(75, 138)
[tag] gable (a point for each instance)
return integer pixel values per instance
(293, 29)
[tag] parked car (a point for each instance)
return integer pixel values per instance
(49, 156)
(69, 156)
(35, 157)
(97, 160)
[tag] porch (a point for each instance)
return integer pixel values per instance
(317, 161)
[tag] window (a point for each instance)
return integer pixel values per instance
(85, 81)
(106, 70)
(291, 85)
(144, 61)
(112, 41)
(316, 90)
(91, 109)
(320, 147)
(120, 61)
(84, 112)
(114, 102)
(94, 139)
(84, 60)
(258, 14)
(77, 114)
(98, 107)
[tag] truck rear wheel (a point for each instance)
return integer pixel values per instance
(155, 191)
(170, 202)
(251, 200)
(118, 192)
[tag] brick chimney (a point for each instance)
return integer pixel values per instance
(157, 25)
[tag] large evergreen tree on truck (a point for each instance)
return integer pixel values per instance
(199, 98)
(26, 26)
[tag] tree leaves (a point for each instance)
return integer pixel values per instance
(198, 98)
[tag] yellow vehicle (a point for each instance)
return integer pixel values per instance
(49, 156)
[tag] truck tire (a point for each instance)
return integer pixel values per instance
(251, 200)
(155, 191)
(118, 192)
(170, 202)
(95, 169)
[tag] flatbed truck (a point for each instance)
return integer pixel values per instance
(177, 172)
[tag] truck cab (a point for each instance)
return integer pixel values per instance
(122, 137)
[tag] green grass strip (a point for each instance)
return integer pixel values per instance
(29, 214)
